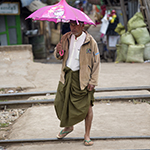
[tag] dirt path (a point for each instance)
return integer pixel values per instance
(110, 119)
(98, 145)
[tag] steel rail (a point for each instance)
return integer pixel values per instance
(43, 101)
(111, 89)
(18, 141)
(28, 94)
(132, 88)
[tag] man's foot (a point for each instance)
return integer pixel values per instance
(63, 133)
(88, 143)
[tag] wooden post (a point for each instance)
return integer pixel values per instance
(124, 14)
(142, 9)
(109, 3)
(147, 12)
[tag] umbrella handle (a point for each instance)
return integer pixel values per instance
(61, 53)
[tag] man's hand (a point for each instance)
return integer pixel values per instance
(90, 87)
(59, 47)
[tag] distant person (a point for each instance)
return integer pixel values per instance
(112, 23)
(81, 6)
(65, 28)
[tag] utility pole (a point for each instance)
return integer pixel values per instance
(124, 13)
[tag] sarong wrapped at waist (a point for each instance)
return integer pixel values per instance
(72, 103)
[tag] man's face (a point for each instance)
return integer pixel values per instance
(76, 29)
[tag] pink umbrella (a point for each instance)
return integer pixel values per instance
(60, 12)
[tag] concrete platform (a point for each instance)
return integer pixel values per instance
(113, 119)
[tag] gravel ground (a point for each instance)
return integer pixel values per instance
(7, 116)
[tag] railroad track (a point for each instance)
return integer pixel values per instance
(20, 102)
(19, 141)
(7, 100)
(29, 94)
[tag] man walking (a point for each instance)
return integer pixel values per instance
(79, 76)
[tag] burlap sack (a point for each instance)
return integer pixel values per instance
(141, 35)
(136, 21)
(55, 36)
(135, 53)
(127, 38)
(147, 52)
(119, 57)
(120, 29)
(122, 50)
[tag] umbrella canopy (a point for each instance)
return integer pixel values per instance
(60, 12)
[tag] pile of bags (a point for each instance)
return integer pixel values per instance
(134, 45)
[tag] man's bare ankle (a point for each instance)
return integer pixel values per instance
(68, 128)
(86, 137)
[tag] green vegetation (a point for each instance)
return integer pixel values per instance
(4, 125)
(141, 101)
(2, 89)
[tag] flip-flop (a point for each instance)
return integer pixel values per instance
(63, 132)
(88, 143)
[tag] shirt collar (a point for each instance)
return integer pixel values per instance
(79, 37)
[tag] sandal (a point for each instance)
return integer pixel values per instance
(88, 143)
(62, 134)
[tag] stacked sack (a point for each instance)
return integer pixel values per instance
(134, 45)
